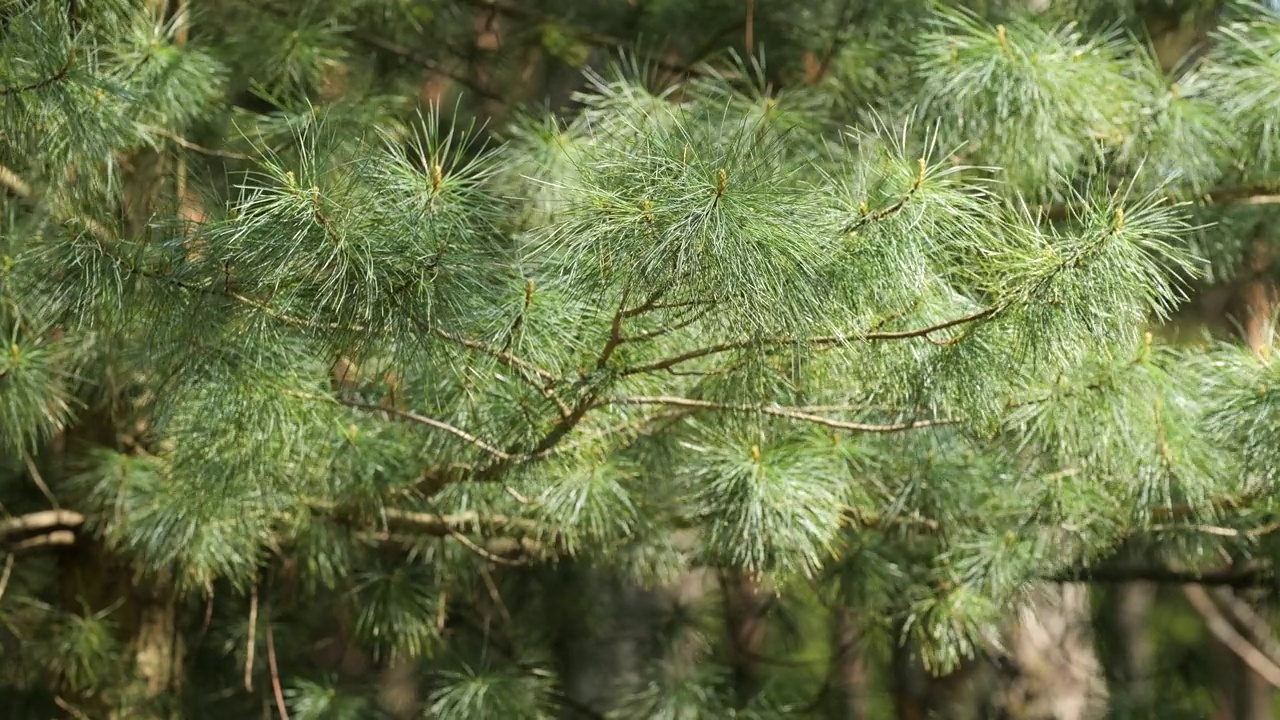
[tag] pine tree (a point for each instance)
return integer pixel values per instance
(348, 377)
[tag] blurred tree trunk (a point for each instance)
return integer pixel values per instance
(1054, 672)
(606, 634)
(1126, 616)
(398, 691)
(158, 651)
(910, 685)
(746, 605)
(1250, 697)
(848, 667)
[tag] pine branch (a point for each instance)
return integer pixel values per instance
(523, 367)
(252, 641)
(56, 77)
(893, 209)
(482, 552)
(412, 417)
(471, 521)
(61, 73)
(588, 399)
(187, 144)
(1224, 195)
(23, 190)
(777, 411)
(16, 184)
(920, 332)
(822, 341)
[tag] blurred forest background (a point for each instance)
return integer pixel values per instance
(136, 119)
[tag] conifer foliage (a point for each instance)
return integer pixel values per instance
(331, 355)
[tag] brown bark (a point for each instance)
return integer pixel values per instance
(1256, 302)
(1242, 693)
(158, 654)
(1128, 611)
(398, 691)
(746, 604)
(848, 667)
(1054, 672)
(915, 693)
(1245, 694)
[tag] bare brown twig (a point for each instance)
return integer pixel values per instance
(42, 520)
(4, 577)
(252, 640)
(1223, 630)
(275, 674)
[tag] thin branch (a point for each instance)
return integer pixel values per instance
(825, 340)
(491, 557)
(1235, 578)
(57, 76)
(16, 184)
(438, 524)
(413, 417)
(1219, 530)
(667, 329)
(275, 674)
(506, 357)
(39, 480)
(494, 595)
(615, 329)
(779, 411)
(70, 709)
(587, 400)
(893, 209)
(253, 638)
(922, 332)
(426, 62)
(187, 144)
(527, 370)
(1222, 629)
(42, 520)
(4, 577)
(1248, 620)
(1259, 200)
(57, 537)
(671, 362)
(837, 40)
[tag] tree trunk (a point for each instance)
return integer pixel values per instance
(158, 654)
(848, 668)
(1054, 673)
(1251, 696)
(1128, 611)
(746, 603)
(1246, 694)
(398, 689)
(604, 644)
(910, 681)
